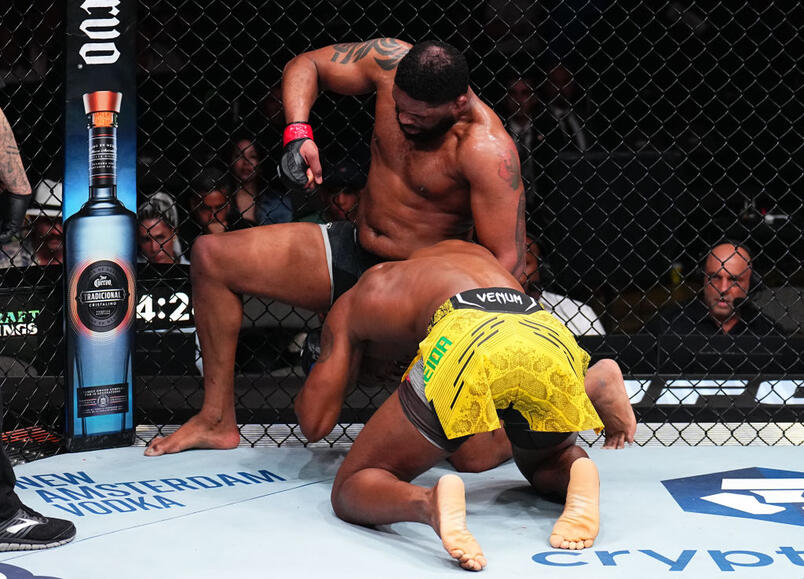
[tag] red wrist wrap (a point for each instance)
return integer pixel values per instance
(297, 131)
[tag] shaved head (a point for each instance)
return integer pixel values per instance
(727, 279)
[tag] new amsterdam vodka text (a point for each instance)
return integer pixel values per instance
(100, 259)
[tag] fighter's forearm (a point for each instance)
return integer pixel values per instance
(498, 203)
(12, 173)
(318, 404)
(300, 87)
(317, 414)
(511, 256)
(516, 260)
(309, 427)
(513, 261)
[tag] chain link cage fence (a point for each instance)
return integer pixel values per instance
(648, 133)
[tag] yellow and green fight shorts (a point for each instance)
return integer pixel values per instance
(491, 350)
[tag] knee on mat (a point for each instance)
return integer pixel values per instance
(339, 505)
(464, 463)
(338, 496)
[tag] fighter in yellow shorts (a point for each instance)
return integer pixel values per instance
(495, 351)
(485, 351)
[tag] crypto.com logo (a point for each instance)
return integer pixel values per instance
(754, 493)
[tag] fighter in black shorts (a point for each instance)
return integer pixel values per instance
(442, 167)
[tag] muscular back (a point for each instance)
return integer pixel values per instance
(393, 302)
(389, 307)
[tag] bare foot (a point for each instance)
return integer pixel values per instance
(198, 432)
(606, 389)
(578, 525)
(449, 512)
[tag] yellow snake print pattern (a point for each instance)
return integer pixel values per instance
(476, 362)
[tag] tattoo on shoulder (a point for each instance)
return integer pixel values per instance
(387, 52)
(508, 169)
(12, 173)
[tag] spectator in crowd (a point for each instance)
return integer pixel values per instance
(157, 235)
(519, 112)
(338, 194)
(562, 126)
(47, 239)
(209, 203)
(253, 203)
(543, 129)
(579, 318)
(273, 110)
(44, 242)
(211, 210)
(724, 306)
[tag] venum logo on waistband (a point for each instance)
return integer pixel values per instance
(101, 32)
(500, 297)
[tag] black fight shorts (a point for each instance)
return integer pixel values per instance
(346, 258)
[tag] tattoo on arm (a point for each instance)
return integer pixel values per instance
(520, 231)
(12, 173)
(508, 169)
(387, 52)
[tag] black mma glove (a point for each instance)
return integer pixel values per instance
(310, 351)
(16, 206)
(292, 167)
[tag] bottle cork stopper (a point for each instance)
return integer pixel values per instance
(102, 101)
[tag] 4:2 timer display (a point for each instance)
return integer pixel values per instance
(164, 310)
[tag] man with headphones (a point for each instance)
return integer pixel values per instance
(724, 307)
